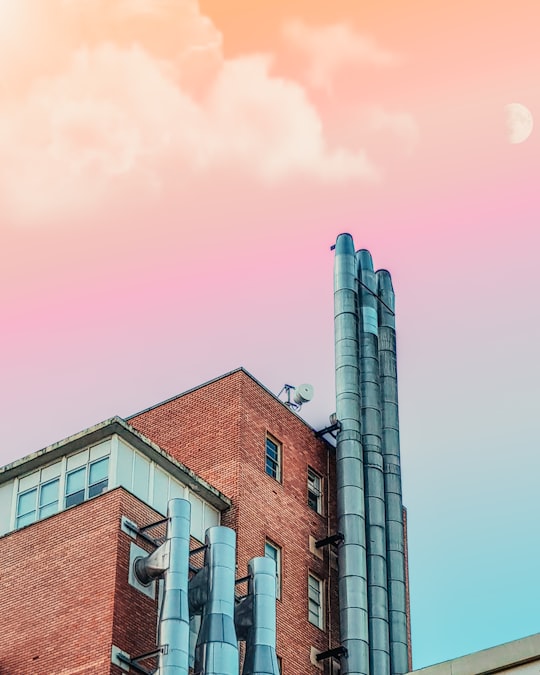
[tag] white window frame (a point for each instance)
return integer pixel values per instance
(269, 544)
(275, 463)
(87, 466)
(317, 588)
(315, 490)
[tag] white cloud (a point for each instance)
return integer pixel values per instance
(400, 124)
(151, 103)
(329, 49)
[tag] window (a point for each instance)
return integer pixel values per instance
(48, 498)
(335, 668)
(273, 551)
(315, 601)
(39, 501)
(280, 665)
(314, 490)
(273, 458)
(87, 481)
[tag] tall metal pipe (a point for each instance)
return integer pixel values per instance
(216, 652)
(260, 658)
(392, 476)
(353, 603)
(373, 467)
(171, 561)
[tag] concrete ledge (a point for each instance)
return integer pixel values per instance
(506, 657)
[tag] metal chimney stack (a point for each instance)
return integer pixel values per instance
(353, 605)
(369, 506)
(399, 649)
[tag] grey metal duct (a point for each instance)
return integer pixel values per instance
(216, 652)
(373, 467)
(353, 606)
(260, 623)
(171, 560)
(392, 476)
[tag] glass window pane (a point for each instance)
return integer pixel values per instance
(26, 519)
(49, 492)
(272, 459)
(161, 491)
(97, 488)
(99, 471)
(27, 502)
(27, 482)
(48, 510)
(270, 551)
(75, 461)
(75, 481)
(50, 472)
(75, 498)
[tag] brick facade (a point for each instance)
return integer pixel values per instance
(219, 431)
(64, 581)
(65, 596)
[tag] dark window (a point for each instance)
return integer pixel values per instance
(273, 458)
(314, 490)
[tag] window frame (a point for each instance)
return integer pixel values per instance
(321, 605)
(277, 463)
(39, 507)
(87, 486)
(279, 562)
(320, 501)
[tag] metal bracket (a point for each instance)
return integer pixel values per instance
(332, 539)
(141, 531)
(329, 653)
(328, 430)
(133, 663)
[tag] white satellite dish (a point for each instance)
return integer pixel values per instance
(303, 394)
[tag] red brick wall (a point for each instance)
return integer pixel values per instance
(65, 593)
(219, 431)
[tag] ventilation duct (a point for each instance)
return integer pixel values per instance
(216, 652)
(255, 619)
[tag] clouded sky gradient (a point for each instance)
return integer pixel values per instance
(172, 176)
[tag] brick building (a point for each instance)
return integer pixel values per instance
(241, 457)
(77, 516)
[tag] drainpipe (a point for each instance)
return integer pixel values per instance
(373, 467)
(353, 610)
(392, 476)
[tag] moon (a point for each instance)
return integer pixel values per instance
(519, 122)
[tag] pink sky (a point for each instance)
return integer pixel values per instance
(172, 179)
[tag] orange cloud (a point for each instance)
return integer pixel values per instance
(329, 49)
(138, 92)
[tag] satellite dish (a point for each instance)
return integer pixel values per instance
(303, 394)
